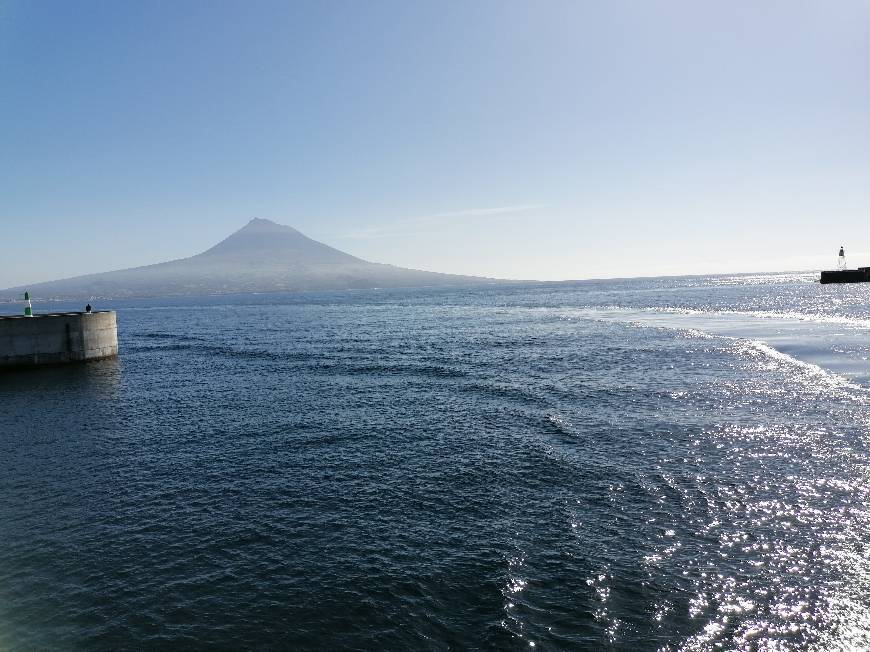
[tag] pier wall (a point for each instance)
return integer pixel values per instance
(58, 338)
(860, 275)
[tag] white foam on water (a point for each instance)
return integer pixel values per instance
(829, 378)
(758, 333)
(852, 322)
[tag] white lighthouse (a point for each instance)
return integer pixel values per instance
(841, 259)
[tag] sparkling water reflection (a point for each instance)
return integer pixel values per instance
(673, 464)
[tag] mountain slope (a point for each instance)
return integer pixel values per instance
(261, 257)
(264, 240)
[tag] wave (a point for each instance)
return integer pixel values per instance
(435, 371)
(752, 343)
(819, 374)
(176, 337)
(334, 365)
(559, 424)
(609, 311)
(855, 322)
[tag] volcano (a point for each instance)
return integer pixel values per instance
(260, 257)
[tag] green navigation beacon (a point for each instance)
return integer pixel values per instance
(28, 307)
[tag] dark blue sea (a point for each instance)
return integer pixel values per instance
(649, 464)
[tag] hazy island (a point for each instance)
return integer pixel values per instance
(260, 257)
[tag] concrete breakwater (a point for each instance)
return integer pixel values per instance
(58, 338)
(860, 275)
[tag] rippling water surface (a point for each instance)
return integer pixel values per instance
(659, 464)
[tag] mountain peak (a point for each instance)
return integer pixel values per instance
(263, 240)
(263, 225)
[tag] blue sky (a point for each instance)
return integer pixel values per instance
(547, 140)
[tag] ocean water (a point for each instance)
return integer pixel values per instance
(650, 464)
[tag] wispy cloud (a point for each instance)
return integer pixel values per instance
(426, 222)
